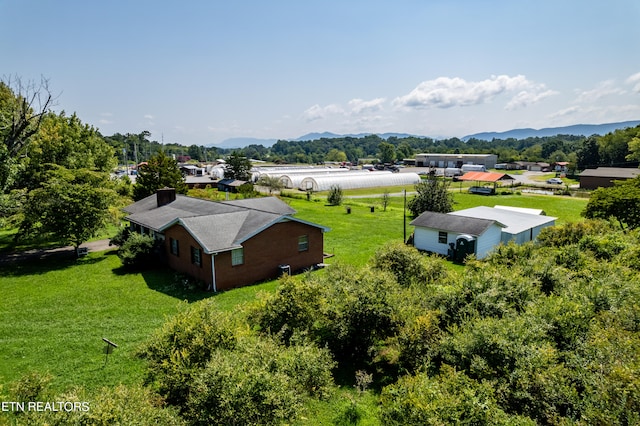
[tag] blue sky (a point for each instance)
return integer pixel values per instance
(199, 72)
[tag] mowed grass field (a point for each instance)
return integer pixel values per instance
(54, 313)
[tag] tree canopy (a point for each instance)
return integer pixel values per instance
(161, 171)
(70, 205)
(432, 195)
(238, 166)
(622, 202)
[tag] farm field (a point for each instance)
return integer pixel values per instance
(55, 313)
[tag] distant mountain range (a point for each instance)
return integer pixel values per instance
(578, 129)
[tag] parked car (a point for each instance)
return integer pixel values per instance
(555, 181)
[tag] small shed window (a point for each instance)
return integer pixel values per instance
(196, 256)
(442, 237)
(175, 248)
(237, 257)
(303, 243)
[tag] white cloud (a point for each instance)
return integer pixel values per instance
(359, 106)
(529, 97)
(604, 88)
(566, 112)
(148, 116)
(635, 80)
(446, 92)
(317, 112)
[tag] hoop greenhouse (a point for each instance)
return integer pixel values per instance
(360, 180)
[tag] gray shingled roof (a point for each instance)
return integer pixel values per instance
(612, 172)
(217, 226)
(228, 230)
(147, 213)
(452, 223)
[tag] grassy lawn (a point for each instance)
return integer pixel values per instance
(54, 313)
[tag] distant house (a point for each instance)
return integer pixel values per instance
(475, 231)
(603, 177)
(228, 244)
(230, 185)
(533, 166)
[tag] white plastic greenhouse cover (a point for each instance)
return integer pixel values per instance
(258, 172)
(294, 180)
(373, 179)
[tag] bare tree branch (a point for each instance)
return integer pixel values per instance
(22, 116)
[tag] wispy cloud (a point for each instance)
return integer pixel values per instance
(359, 106)
(635, 80)
(604, 88)
(149, 116)
(316, 112)
(447, 92)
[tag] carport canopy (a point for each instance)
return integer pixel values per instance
(485, 177)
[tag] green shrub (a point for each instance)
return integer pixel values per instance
(408, 265)
(138, 251)
(447, 399)
(183, 346)
(119, 405)
(334, 198)
(123, 234)
(260, 382)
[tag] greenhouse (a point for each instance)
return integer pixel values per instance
(294, 180)
(360, 180)
(258, 172)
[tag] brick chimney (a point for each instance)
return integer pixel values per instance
(165, 196)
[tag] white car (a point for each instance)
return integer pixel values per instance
(555, 181)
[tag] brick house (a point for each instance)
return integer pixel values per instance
(231, 243)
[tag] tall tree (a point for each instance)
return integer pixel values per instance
(71, 205)
(589, 154)
(432, 195)
(238, 166)
(160, 171)
(22, 107)
(386, 152)
(66, 141)
(622, 202)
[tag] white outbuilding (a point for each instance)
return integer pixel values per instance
(477, 230)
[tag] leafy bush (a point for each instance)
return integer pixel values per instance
(138, 251)
(334, 198)
(259, 382)
(183, 346)
(408, 265)
(349, 310)
(120, 405)
(121, 236)
(449, 398)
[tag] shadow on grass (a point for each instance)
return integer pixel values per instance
(167, 281)
(37, 265)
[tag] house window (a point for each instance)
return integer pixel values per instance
(175, 249)
(237, 257)
(196, 256)
(442, 237)
(303, 243)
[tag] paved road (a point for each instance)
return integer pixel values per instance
(100, 245)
